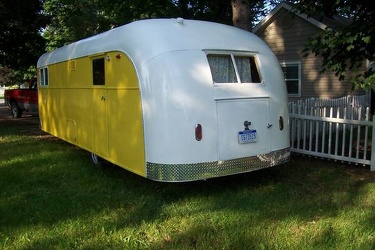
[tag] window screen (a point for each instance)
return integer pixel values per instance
(98, 71)
(227, 68)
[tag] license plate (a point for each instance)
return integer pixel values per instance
(247, 136)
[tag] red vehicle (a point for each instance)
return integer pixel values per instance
(20, 100)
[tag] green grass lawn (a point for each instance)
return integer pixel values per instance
(51, 197)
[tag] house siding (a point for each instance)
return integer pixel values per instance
(287, 35)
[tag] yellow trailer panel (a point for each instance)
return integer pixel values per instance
(90, 116)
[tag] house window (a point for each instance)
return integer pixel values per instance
(292, 74)
(230, 68)
(43, 72)
(98, 71)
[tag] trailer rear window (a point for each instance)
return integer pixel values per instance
(229, 68)
(98, 71)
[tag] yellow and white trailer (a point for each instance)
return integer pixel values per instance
(169, 99)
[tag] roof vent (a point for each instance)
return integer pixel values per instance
(180, 20)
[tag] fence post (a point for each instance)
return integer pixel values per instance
(373, 145)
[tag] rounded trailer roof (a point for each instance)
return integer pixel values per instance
(145, 39)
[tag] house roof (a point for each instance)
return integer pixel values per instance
(319, 21)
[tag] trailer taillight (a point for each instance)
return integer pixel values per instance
(198, 132)
(281, 123)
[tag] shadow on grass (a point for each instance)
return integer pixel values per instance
(49, 182)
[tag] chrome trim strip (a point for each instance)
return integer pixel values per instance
(206, 170)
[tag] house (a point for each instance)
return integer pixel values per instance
(287, 32)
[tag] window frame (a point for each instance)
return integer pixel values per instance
(233, 55)
(44, 77)
(92, 71)
(293, 63)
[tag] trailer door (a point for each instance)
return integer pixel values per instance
(99, 108)
(243, 128)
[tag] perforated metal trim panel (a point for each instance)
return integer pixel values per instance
(206, 170)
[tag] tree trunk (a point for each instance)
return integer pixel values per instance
(241, 14)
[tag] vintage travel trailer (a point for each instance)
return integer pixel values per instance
(169, 99)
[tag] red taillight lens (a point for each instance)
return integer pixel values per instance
(198, 132)
(281, 123)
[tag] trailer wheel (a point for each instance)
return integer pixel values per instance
(15, 110)
(96, 160)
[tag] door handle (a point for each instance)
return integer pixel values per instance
(246, 124)
(103, 98)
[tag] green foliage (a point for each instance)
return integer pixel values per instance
(75, 20)
(20, 24)
(6, 76)
(71, 21)
(9, 77)
(208, 10)
(365, 81)
(344, 48)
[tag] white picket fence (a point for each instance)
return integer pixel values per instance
(338, 129)
(351, 103)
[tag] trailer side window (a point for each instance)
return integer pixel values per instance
(229, 68)
(43, 76)
(98, 71)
